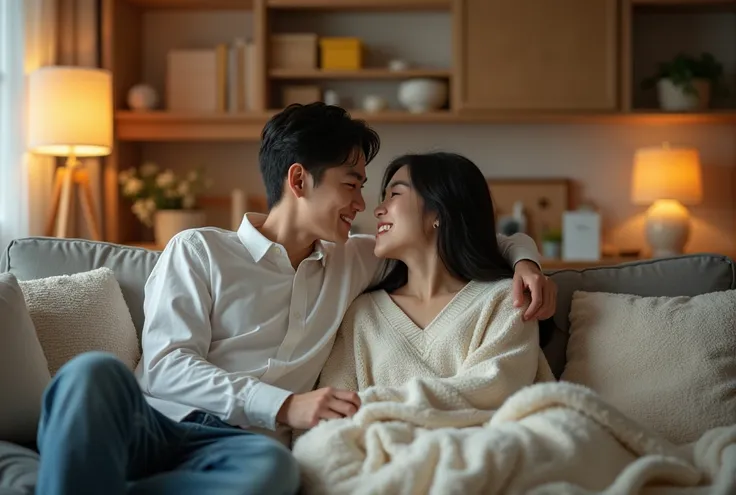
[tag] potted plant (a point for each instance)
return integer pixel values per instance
(552, 243)
(163, 200)
(686, 83)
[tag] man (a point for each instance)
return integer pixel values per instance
(238, 326)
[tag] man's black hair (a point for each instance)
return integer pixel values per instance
(316, 135)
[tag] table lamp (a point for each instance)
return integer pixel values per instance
(70, 115)
(667, 178)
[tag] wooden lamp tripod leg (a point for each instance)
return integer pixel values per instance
(85, 196)
(67, 178)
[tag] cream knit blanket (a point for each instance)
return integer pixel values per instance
(466, 405)
(547, 438)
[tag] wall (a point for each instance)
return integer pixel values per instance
(597, 158)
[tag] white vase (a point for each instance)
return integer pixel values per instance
(168, 223)
(674, 99)
(423, 95)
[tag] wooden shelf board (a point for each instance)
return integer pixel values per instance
(370, 73)
(195, 4)
(165, 126)
(701, 3)
(386, 5)
(171, 126)
(684, 6)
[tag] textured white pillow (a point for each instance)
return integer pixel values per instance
(667, 362)
(24, 371)
(80, 313)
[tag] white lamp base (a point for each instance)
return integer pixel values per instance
(668, 228)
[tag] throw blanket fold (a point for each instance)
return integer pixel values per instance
(546, 438)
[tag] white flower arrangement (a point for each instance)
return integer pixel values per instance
(152, 189)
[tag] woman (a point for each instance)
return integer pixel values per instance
(444, 308)
(433, 350)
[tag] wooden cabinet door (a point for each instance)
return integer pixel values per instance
(537, 54)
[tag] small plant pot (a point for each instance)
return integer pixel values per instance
(673, 98)
(168, 223)
(551, 249)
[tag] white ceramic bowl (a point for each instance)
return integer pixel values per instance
(423, 95)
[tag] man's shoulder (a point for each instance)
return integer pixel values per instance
(203, 240)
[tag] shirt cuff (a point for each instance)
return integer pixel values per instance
(264, 404)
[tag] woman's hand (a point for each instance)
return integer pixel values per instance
(528, 277)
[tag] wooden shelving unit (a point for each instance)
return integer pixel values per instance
(385, 5)
(593, 85)
(165, 126)
(357, 74)
(195, 4)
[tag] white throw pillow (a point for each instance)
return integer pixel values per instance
(667, 362)
(24, 372)
(80, 313)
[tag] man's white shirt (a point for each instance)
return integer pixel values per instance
(232, 329)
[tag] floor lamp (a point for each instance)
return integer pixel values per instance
(70, 115)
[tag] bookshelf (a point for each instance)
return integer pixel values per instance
(133, 30)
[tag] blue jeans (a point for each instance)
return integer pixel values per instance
(98, 435)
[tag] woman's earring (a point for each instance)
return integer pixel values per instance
(436, 224)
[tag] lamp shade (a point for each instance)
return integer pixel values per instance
(70, 111)
(666, 173)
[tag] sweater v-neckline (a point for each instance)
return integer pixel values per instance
(413, 332)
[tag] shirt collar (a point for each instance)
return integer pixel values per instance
(258, 245)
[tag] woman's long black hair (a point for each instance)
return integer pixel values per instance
(455, 190)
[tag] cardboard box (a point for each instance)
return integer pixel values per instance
(293, 51)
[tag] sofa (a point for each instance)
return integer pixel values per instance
(686, 277)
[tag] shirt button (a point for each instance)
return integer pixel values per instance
(298, 316)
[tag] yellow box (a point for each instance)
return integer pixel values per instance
(341, 53)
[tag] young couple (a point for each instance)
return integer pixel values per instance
(238, 325)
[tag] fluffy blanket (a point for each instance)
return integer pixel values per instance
(546, 438)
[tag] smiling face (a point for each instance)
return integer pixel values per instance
(403, 225)
(329, 208)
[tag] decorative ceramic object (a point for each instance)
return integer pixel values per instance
(397, 65)
(551, 249)
(374, 103)
(168, 223)
(423, 95)
(331, 97)
(674, 98)
(142, 97)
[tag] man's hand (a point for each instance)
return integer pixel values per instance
(528, 277)
(305, 411)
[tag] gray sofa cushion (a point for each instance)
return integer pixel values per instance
(688, 275)
(40, 257)
(24, 370)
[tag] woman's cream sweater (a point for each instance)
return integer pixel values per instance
(474, 354)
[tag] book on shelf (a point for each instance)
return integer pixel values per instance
(219, 79)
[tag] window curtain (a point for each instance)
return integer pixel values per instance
(27, 41)
(33, 34)
(13, 184)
